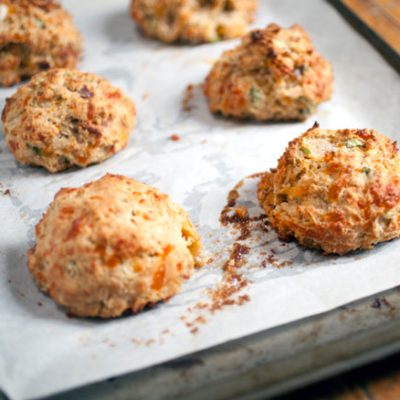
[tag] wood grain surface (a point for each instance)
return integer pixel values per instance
(377, 381)
(382, 16)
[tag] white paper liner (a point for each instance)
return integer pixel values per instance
(42, 351)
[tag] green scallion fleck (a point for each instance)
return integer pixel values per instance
(307, 106)
(388, 217)
(254, 95)
(37, 150)
(306, 151)
(40, 23)
(305, 111)
(352, 143)
(366, 170)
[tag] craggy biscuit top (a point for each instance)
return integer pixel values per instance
(287, 53)
(193, 21)
(34, 22)
(27, 7)
(35, 35)
(113, 245)
(274, 74)
(65, 117)
(335, 190)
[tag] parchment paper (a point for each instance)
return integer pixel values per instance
(42, 351)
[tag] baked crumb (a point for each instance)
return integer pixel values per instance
(188, 96)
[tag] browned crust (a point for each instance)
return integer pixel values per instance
(36, 35)
(274, 74)
(193, 21)
(339, 200)
(111, 246)
(64, 118)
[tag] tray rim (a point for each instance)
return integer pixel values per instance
(389, 53)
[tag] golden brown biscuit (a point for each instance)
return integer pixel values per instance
(111, 246)
(335, 190)
(193, 21)
(274, 74)
(64, 118)
(35, 35)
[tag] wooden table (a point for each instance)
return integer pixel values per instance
(382, 16)
(378, 21)
(378, 381)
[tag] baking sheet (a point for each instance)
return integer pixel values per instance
(42, 351)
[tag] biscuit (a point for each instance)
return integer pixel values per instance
(64, 118)
(193, 21)
(112, 246)
(274, 74)
(35, 35)
(335, 190)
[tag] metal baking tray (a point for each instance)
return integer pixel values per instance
(267, 364)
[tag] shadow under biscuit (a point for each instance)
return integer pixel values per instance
(23, 289)
(268, 256)
(121, 28)
(194, 105)
(28, 296)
